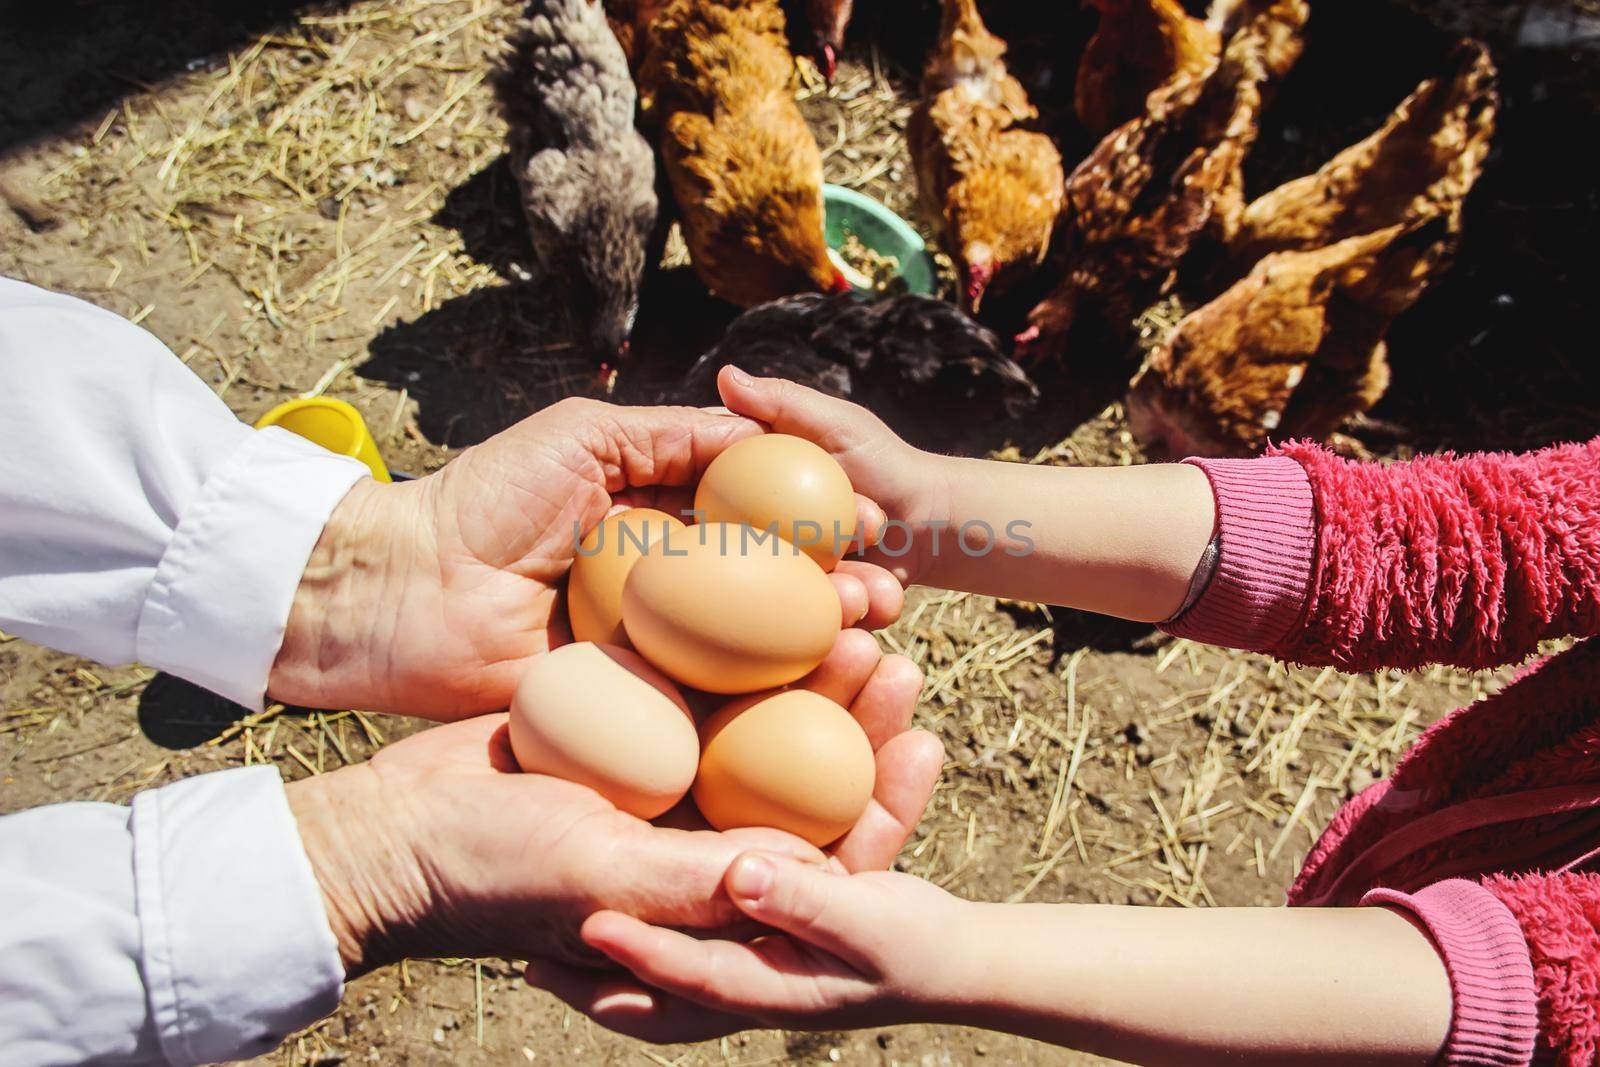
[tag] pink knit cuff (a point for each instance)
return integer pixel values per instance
(1266, 520)
(1495, 1017)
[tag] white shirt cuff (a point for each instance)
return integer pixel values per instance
(235, 944)
(216, 609)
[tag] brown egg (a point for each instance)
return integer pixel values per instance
(728, 609)
(601, 716)
(605, 558)
(785, 484)
(793, 760)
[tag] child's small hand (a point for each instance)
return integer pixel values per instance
(907, 483)
(1123, 541)
(852, 950)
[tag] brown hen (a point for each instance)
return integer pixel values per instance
(1139, 200)
(1271, 29)
(1132, 209)
(1139, 46)
(1291, 350)
(743, 166)
(1418, 165)
(1296, 347)
(821, 33)
(994, 186)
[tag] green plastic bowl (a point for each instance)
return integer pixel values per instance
(880, 230)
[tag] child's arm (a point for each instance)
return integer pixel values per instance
(1146, 985)
(1121, 541)
(1469, 560)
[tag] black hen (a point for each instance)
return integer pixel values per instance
(905, 349)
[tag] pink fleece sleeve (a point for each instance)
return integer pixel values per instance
(1493, 1019)
(1468, 560)
(1266, 528)
(1559, 915)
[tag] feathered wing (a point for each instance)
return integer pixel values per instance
(1419, 165)
(1138, 47)
(743, 165)
(1152, 186)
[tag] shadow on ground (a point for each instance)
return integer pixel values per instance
(481, 362)
(177, 714)
(71, 61)
(1072, 630)
(485, 212)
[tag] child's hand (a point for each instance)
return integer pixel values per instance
(1123, 541)
(910, 485)
(853, 950)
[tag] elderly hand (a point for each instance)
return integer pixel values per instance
(430, 598)
(440, 847)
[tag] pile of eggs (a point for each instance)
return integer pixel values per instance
(738, 605)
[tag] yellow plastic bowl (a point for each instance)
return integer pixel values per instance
(333, 424)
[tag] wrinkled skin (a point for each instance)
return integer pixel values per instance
(439, 846)
(431, 597)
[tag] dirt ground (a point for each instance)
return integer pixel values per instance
(308, 200)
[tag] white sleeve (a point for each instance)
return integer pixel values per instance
(139, 520)
(188, 929)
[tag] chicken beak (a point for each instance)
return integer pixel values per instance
(829, 62)
(979, 275)
(976, 287)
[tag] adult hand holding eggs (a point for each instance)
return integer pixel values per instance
(723, 613)
(740, 603)
(425, 850)
(433, 597)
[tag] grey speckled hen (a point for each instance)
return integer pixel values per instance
(586, 176)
